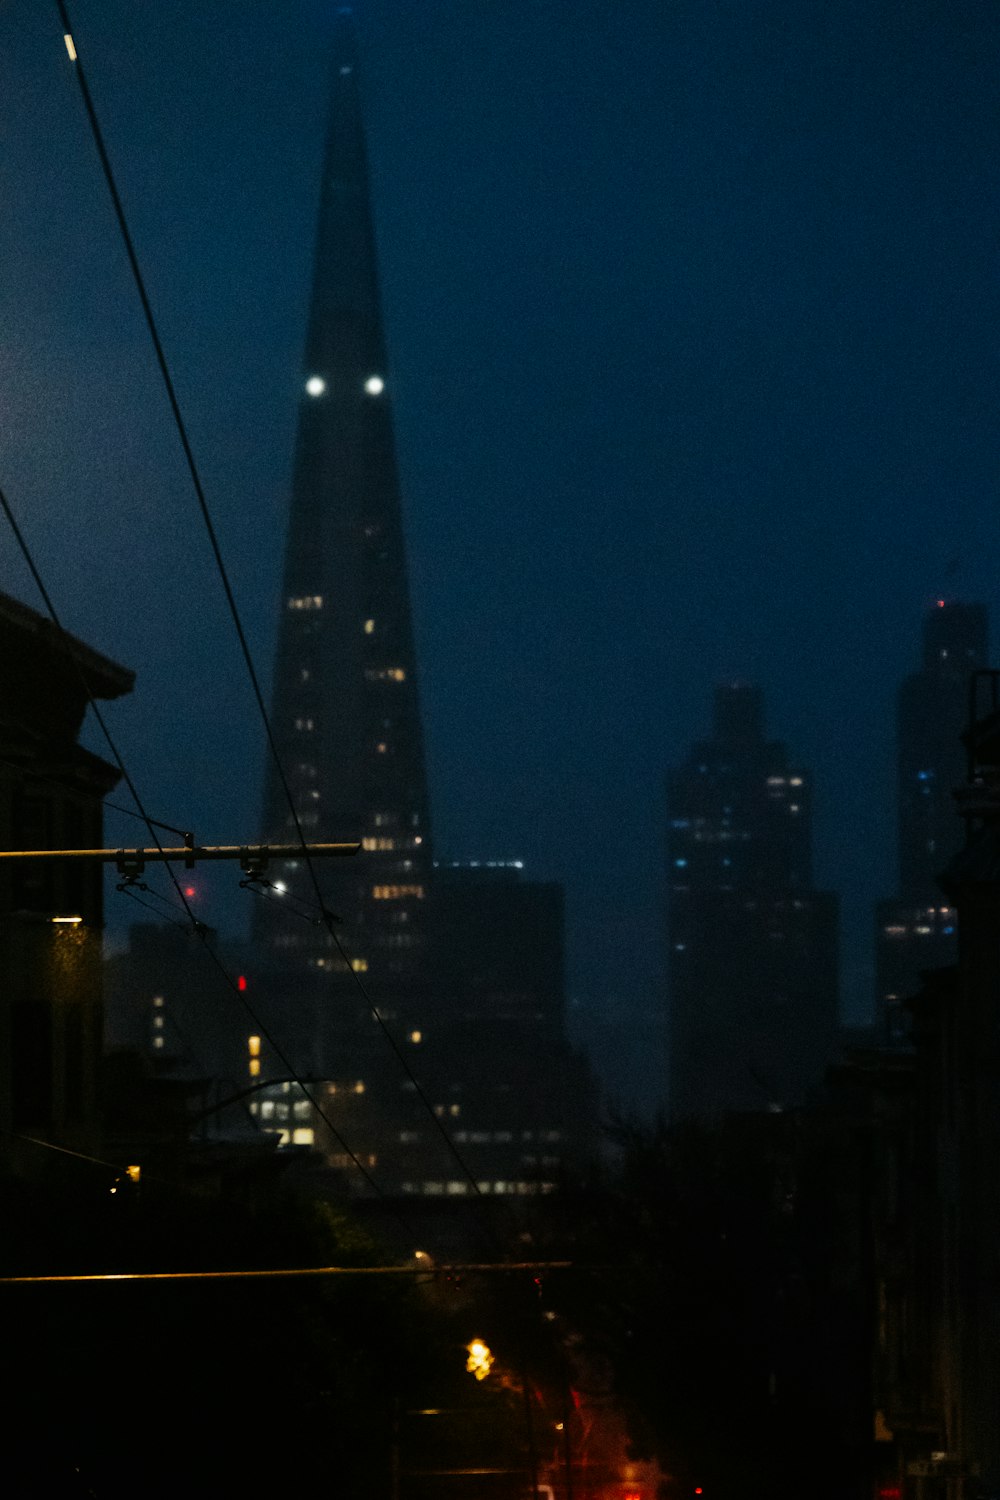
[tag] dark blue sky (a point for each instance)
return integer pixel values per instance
(693, 315)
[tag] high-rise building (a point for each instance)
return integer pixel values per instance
(752, 946)
(519, 1098)
(915, 930)
(346, 718)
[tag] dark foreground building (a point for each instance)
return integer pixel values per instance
(916, 929)
(752, 945)
(928, 1181)
(51, 913)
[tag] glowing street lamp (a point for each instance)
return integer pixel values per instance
(480, 1360)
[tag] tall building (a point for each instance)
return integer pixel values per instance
(752, 945)
(345, 716)
(520, 1099)
(916, 929)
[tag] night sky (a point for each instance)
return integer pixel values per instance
(692, 309)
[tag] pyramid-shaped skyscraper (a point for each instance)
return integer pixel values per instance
(345, 710)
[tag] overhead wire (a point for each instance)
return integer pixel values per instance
(244, 644)
(198, 926)
(234, 611)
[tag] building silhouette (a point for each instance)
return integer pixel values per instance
(916, 929)
(521, 1101)
(345, 714)
(377, 1013)
(51, 912)
(752, 945)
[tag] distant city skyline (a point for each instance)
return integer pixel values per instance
(691, 323)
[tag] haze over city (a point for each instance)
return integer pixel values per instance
(690, 314)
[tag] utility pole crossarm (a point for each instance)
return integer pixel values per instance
(247, 854)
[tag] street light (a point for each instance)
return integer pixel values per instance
(480, 1360)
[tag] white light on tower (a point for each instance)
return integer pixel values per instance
(374, 385)
(315, 385)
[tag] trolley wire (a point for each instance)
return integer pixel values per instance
(199, 927)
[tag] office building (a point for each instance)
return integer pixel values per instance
(752, 945)
(519, 1100)
(916, 929)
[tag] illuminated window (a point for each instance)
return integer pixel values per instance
(359, 1087)
(385, 674)
(253, 1046)
(305, 724)
(369, 627)
(157, 1041)
(416, 1037)
(303, 1137)
(455, 1109)
(381, 747)
(254, 1066)
(306, 601)
(378, 843)
(795, 781)
(359, 965)
(397, 892)
(305, 674)
(158, 1022)
(157, 1001)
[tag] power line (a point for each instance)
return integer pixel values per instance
(199, 927)
(132, 893)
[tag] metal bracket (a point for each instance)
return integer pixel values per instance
(130, 865)
(254, 861)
